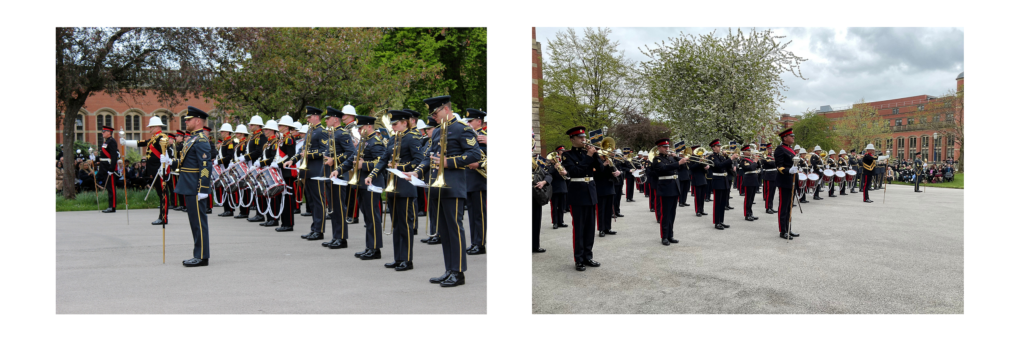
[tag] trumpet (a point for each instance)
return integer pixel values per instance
(554, 158)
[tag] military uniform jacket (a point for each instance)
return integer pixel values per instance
(558, 183)
(684, 172)
(768, 170)
(581, 166)
(842, 166)
(344, 152)
(194, 165)
(286, 148)
(749, 170)
(604, 180)
(698, 175)
(475, 181)
(868, 163)
(151, 153)
(315, 147)
(410, 159)
(719, 170)
(666, 165)
(240, 149)
(268, 153)
(461, 150)
(784, 161)
(816, 163)
(227, 152)
(254, 149)
(830, 164)
(108, 158)
(372, 150)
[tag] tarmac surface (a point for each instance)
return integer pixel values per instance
(905, 256)
(106, 266)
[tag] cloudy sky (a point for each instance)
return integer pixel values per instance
(844, 65)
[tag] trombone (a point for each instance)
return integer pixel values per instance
(557, 160)
(442, 148)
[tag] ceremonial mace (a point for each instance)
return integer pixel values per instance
(798, 205)
(124, 176)
(163, 151)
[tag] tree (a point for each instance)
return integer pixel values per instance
(460, 51)
(729, 87)
(950, 112)
(814, 129)
(636, 130)
(861, 125)
(129, 62)
(286, 69)
(587, 80)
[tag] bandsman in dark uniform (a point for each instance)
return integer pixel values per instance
(666, 169)
(151, 154)
(341, 163)
(370, 152)
(832, 163)
(630, 179)
(407, 144)
(817, 168)
(787, 170)
(242, 135)
(699, 179)
(109, 155)
(432, 194)
(719, 183)
(542, 177)
(856, 164)
(750, 170)
(460, 150)
(253, 152)
(560, 190)
(312, 154)
(208, 204)
(194, 166)
(769, 173)
(843, 165)
(918, 172)
(868, 162)
(476, 190)
(605, 182)
(684, 175)
(179, 146)
(225, 156)
(581, 163)
(804, 166)
(623, 168)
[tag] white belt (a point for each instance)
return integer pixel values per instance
(104, 159)
(668, 177)
(753, 172)
(719, 174)
(771, 170)
(586, 179)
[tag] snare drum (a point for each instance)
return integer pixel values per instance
(233, 175)
(251, 180)
(828, 175)
(218, 172)
(851, 175)
(271, 181)
(801, 181)
(812, 179)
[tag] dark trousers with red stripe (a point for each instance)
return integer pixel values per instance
(603, 210)
(668, 215)
(864, 185)
(557, 211)
(720, 201)
(175, 198)
(769, 194)
(111, 191)
(220, 194)
(652, 194)
(785, 206)
(583, 221)
(243, 195)
(370, 205)
(698, 201)
(629, 187)
(617, 204)
(748, 200)
(684, 185)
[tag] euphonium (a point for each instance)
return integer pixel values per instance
(557, 161)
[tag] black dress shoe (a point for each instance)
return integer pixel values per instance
(725, 226)
(434, 240)
(455, 279)
(372, 254)
(673, 240)
(783, 236)
(471, 248)
(358, 254)
(591, 263)
(325, 244)
(619, 215)
(554, 226)
(580, 267)
(611, 232)
(296, 211)
(539, 250)
(768, 212)
(729, 207)
(707, 200)
(284, 229)
(272, 222)
(600, 233)
(339, 244)
(686, 205)
(478, 250)
(226, 214)
(664, 241)
(315, 236)
(158, 222)
(353, 220)
(240, 216)
(405, 265)
(719, 227)
(703, 213)
(804, 201)
(391, 265)
(562, 225)
(842, 194)
(424, 240)
(109, 210)
(794, 234)
(819, 198)
(306, 236)
(209, 211)
(869, 201)
(652, 210)
(699, 215)
(755, 218)
(306, 214)
(749, 219)
(195, 262)
(630, 200)
(436, 280)
(258, 217)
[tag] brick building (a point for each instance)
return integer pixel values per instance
(538, 97)
(908, 136)
(133, 115)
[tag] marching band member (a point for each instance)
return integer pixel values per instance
(242, 135)
(581, 164)
(630, 179)
(666, 169)
(313, 152)
(403, 202)
(341, 164)
(107, 169)
(843, 166)
(786, 182)
(719, 183)
(769, 177)
(542, 176)
(750, 170)
(869, 166)
(558, 186)
(368, 154)
(684, 175)
(253, 151)
(806, 168)
(699, 178)
(816, 168)
(476, 190)
(267, 159)
(195, 165)
(604, 179)
(151, 154)
(226, 154)
(832, 164)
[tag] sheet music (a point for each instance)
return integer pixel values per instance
(339, 182)
(374, 189)
(319, 178)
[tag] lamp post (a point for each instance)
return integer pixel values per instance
(935, 144)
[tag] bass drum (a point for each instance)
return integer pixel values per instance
(828, 175)
(851, 175)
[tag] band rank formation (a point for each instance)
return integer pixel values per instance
(340, 167)
(588, 180)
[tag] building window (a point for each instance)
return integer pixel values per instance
(924, 141)
(949, 140)
(899, 154)
(938, 155)
(899, 143)
(888, 144)
(79, 127)
(895, 111)
(935, 119)
(913, 142)
(949, 153)
(899, 122)
(910, 121)
(182, 124)
(920, 107)
(949, 117)
(165, 121)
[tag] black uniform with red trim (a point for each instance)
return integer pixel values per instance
(699, 180)
(605, 183)
(769, 173)
(151, 153)
(749, 170)
(227, 154)
(867, 168)
(666, 170)
(241, 195)
(253, 152)
(720, 185)
(109, 154)
(785, 183)
(559, 192)
(582, 199)
(285, 151)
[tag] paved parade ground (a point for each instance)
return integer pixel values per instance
(106, 266)
(904, 256)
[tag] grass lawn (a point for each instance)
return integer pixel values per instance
(958, 182)
(86, 201)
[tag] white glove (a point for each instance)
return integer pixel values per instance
(794, 170)
(273, 164)
(122, 141)
(164, 159)
(203, 196)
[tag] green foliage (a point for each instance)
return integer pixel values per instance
(132, 156)
(86, 201)
(958, 182)
(815, 130)
(460, 51)
(861, 125)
